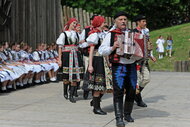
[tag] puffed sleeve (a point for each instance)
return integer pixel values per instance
(105, 49)
(93, 39)
(61, 40)
(36, 56)
(84, 45)
(82, 35)
(23, 55)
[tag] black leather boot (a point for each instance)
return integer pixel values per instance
(97, 109)
(85, 94)
(65, 90)
(75, 92)
(118, 106)
(127, 111)
(72, 90)
(91, 102)
(138, 99)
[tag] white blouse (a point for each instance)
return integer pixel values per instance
(71, 36)
(91, 39)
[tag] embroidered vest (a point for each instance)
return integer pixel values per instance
(66, 39)
(84, 51)
(113, 57)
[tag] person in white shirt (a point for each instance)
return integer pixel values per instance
(84, 46)
(124, 73)
(143, 71)
(160, 46)
(70, 58)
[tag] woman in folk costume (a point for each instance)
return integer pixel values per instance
(6, 74)
(52, 61)
(38, 69)
(70, 58)
(55, 57)
(18, 71)
(97, 80)
(24, 58)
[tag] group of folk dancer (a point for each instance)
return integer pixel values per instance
(87, 58)
(21, 67)
(91, 57)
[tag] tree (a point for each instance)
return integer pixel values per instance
(159, 12)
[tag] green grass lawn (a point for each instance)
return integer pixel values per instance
(181, 46)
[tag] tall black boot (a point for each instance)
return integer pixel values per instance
(85, 94)
(77, 87)
(91, 102)
(65, 90)
(72, 90)
(138, 99)
(128, 107)
(118, 106)
(97, 109)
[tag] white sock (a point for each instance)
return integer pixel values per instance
(37, 81)
(10, 86)
(159, 56)
(30, 81)
(25, 81)
(3, 88)
(17, 83)
(52, 79)
(42, 78)
(21, 84)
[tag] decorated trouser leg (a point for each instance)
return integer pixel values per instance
(118, 105)
(124, 76)
(145, 79)
(129, 101)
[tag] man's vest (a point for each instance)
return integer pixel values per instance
(113, 57)
(85, 51)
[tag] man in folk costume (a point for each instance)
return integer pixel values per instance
(70, 58)
(143, 71)
(123, 71)
(85, 47)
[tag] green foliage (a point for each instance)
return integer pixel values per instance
(158, 12)
(181, 46)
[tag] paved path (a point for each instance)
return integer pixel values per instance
(167, 96)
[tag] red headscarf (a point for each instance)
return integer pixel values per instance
(69, 23)
(97, 22)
